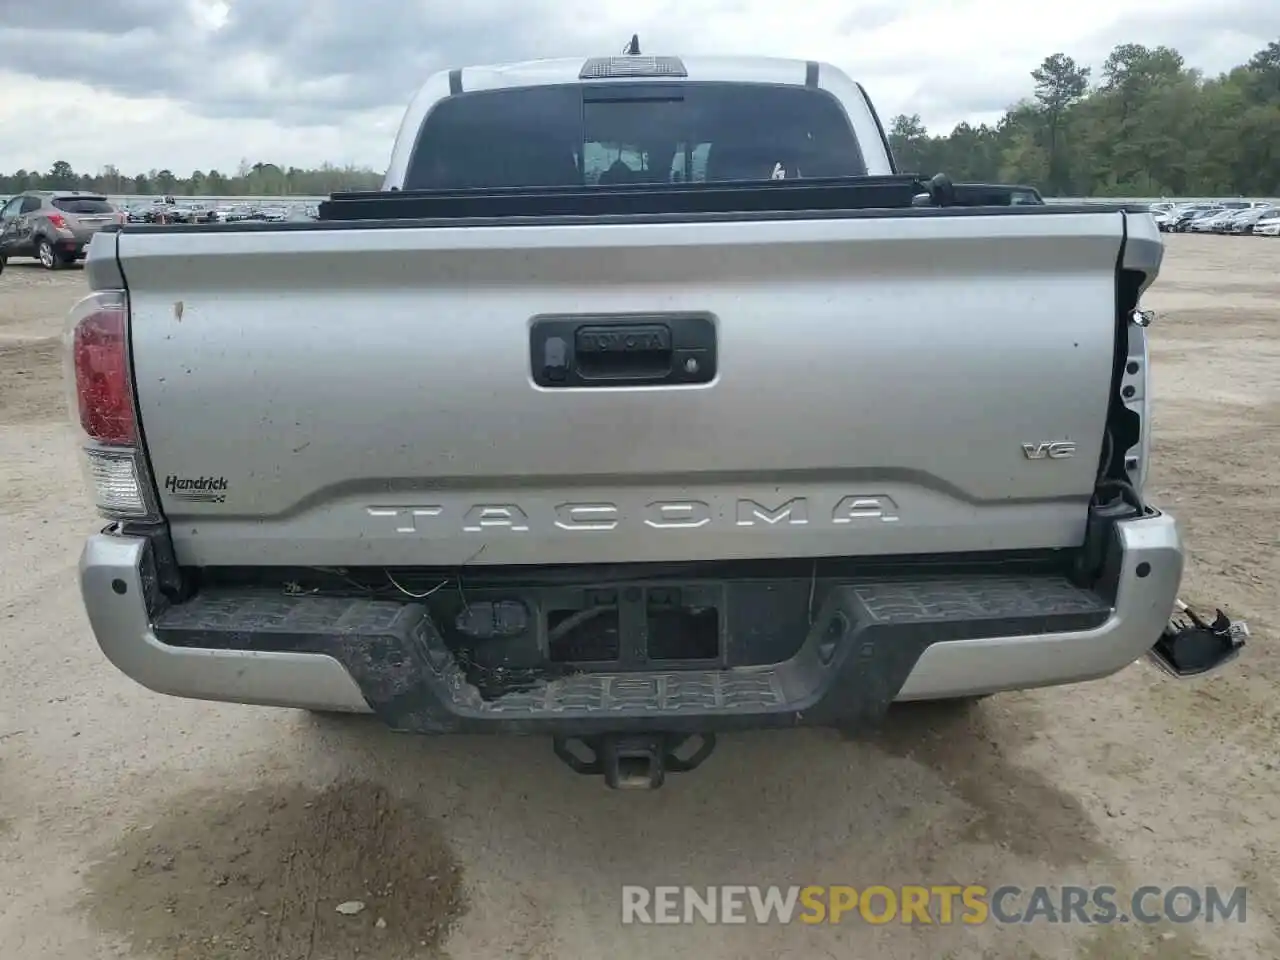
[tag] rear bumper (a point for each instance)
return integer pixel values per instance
(387, 658)
(116, 579)
(71, 244)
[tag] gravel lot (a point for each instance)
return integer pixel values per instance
(134, 825)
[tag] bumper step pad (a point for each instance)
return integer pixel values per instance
(863, 641)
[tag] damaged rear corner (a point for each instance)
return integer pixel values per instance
(1190, 645)
(1126, 440)
(1127, 451)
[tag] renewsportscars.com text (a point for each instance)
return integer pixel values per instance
(940, 904)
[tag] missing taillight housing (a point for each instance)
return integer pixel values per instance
(100, 385)
(1129, 420)
(1135, 393)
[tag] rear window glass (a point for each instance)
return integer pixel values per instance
(633, 133)
(83, 205)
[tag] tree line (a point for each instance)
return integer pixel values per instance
(1148, 125)
(258, 179)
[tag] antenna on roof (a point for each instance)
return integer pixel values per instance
(632, 49)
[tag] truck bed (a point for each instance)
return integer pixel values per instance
(365, 392)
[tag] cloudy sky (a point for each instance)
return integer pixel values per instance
(200, 84)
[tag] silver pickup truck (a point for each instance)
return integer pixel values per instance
(647, 400)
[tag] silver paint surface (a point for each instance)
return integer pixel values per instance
(326, 373)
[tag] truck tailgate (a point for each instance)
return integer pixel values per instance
(363, 394)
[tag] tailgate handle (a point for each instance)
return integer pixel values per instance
(616, 350)
(622, 351)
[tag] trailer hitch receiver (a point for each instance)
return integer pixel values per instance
(634, 761)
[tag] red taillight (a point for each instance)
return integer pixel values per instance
(100, 354)
(58, 220)
(100, 394)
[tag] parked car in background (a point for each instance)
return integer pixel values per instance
(1229, 222)
(137, 213)
(53, 226)
(198, 213)
(1208, 222)
(149, 211)
(1173, 219)
(1182, 223)
(1223, 222)
(1248, 219)
(1268, 226)
(168, 211)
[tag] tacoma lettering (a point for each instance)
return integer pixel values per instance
(795, 510)
(856, 509)
(597, 516)
(503, 516)
(677, 514)
(586, 516)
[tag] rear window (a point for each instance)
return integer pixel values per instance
(83, 205)
(632, 133)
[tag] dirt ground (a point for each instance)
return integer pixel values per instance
(135, 825)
